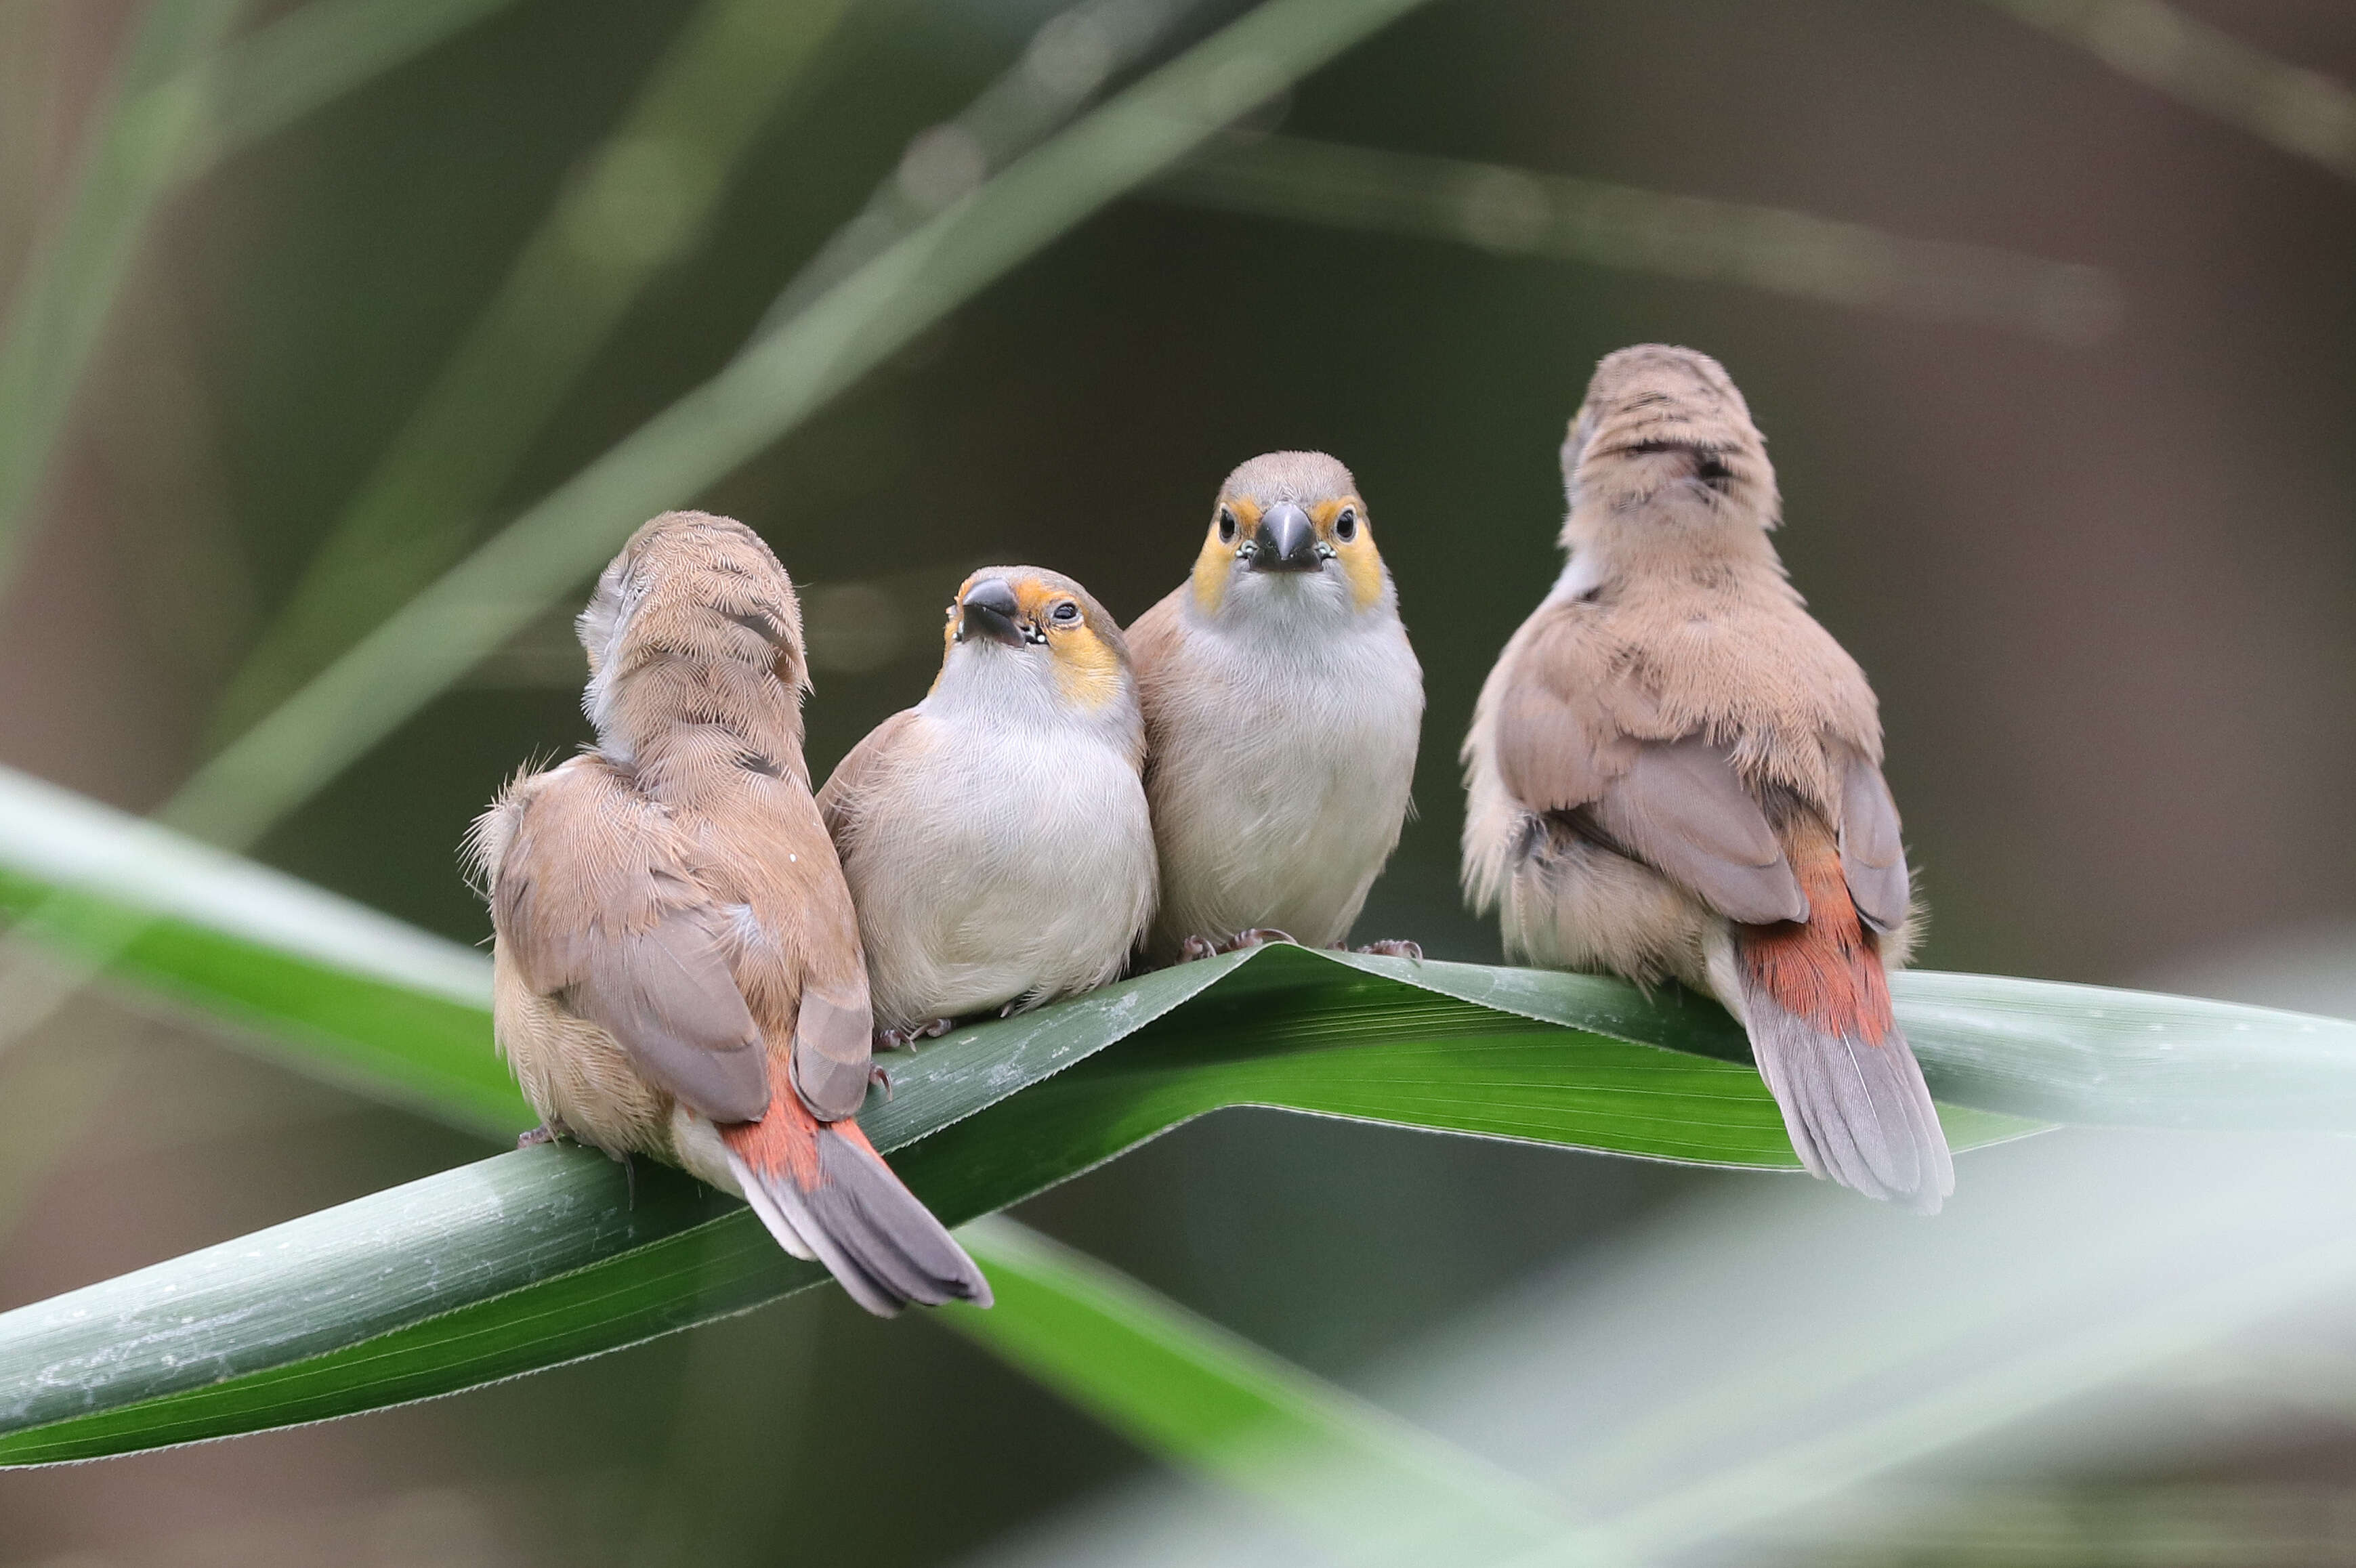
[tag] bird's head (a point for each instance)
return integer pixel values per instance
(1025, 643)
(1288, 537)
(1664, 442)
(695, 621)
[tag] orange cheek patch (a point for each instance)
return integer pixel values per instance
(1217, 559)
(1210, 575)
(1362, 564)
(1085, 666)
(1363, 568)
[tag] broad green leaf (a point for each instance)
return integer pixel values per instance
(330, 985)
(535, 1258)
(531, 1259)
(2088, 1055)
(538, 1257)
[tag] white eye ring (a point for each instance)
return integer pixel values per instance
(1067, 612)
(1345, 526)
(1226, 524)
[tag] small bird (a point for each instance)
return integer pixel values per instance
(1282, 707)
(995, 835)
(1675, 771)
(677, 970)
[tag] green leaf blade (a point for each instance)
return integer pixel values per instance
(513, 1265)
(326, 985)
(543, 1256)
(533, 1259)
(2099, 1057)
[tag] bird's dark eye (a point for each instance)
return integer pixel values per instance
(1065, 613)
(1345, 526)
(1226, 526)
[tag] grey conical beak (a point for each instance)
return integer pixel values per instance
(989, 610)
(1285, 541)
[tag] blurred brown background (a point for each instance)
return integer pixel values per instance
(2104, 590)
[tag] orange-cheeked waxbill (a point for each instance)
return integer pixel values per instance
(995, 835)
(1282, 708)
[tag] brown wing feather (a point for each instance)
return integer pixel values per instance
(1872, 853)
(834, 1043)
(1682, 809)
(800, 965)
(595, 904)
(1555, 752)
(1571, 738)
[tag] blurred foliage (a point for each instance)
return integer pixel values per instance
(636, 204)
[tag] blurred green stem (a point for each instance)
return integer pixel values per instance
(1069, 59)
(1373, 1487)
(138, 130)
(767, 391)
(2304, 113)
(592, 256)
(1524, 212)
(177, 103)
(305, 60)
(636, 204)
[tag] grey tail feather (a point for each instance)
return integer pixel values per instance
(877, 1239)
(1858, 1112)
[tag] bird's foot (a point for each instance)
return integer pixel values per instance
(630, 1175)
(546, 1133)
(1205, 947)
(876, 1075)
(901, 1038)
(1393, 947)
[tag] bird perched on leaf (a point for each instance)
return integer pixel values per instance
(677, 971)
(1675, 771)
(995, 835)
(1282, 707)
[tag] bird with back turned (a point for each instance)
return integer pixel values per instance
(1674, 772)
(677, 968)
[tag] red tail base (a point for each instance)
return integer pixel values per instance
(1828, 971)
